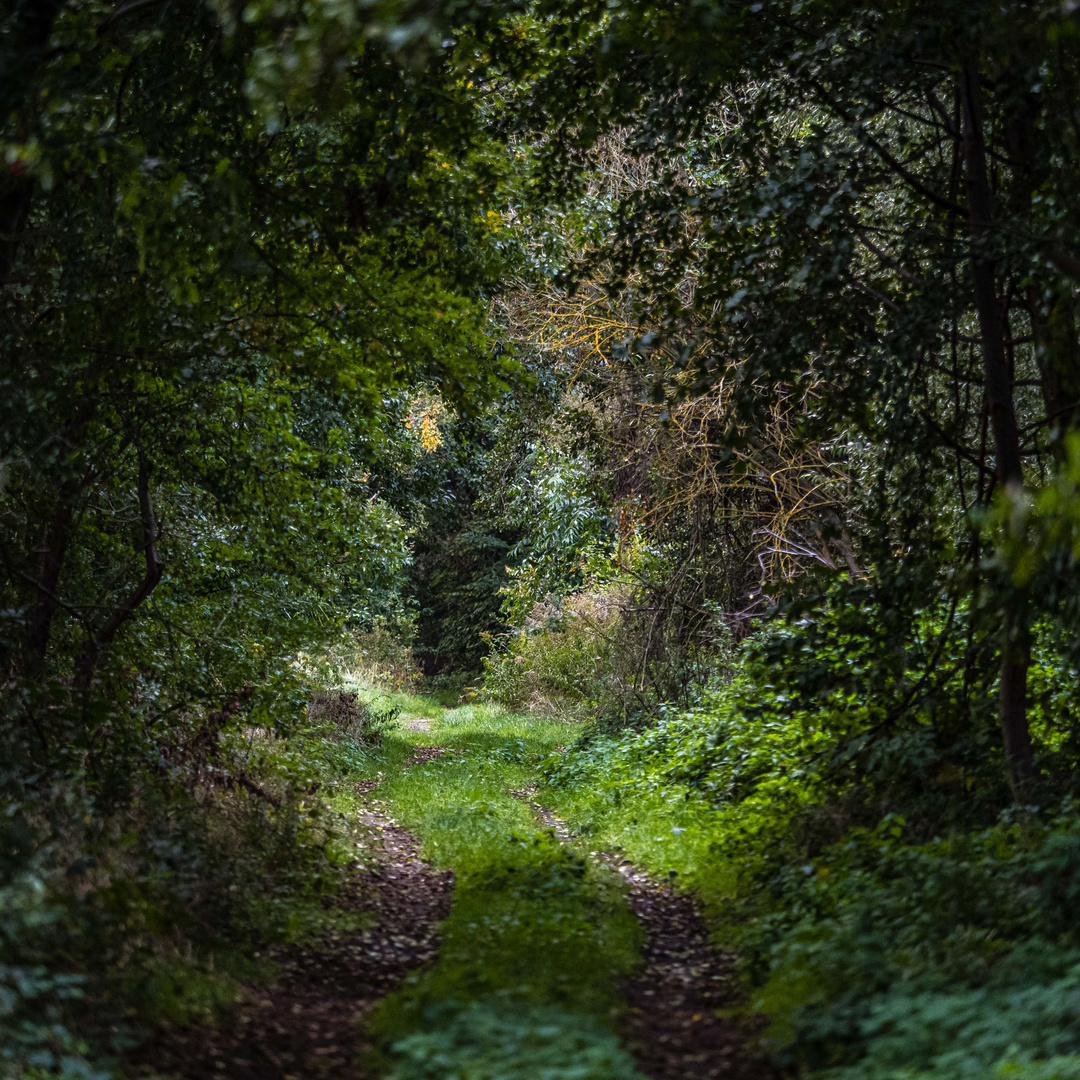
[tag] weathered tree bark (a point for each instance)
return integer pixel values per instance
(1016, 644)
(91, 653)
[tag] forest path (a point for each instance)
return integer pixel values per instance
(670, 1017)
(672, 1024)
(309, 1024)
(456, 778)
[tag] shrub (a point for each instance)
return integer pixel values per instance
(380, 656)
(893, 922)
(113, 917)
(569, 657)
(341, 715)
(624, 633)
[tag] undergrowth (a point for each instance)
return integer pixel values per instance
(117, 916)
(891, 919)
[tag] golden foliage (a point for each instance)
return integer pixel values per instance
(423, 419)
(683, 456)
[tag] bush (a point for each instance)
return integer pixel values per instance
(113, 917)
(893, 922)
(564, 660)
(381, 656)
(623, 633)
(35, 998)
(589, 654)
(948, 957)
(344, 716)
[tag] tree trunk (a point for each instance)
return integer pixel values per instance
(52, 548)
(1016, 645)
(97, 641)
(50, 554)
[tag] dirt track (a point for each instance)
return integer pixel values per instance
(671, 1026)
(310, 1023)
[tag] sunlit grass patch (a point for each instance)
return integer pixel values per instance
(410, 706)
(538, 940)
(491, 731)
(461, 804)
(661, 832)
(488, 718)
(459, 808)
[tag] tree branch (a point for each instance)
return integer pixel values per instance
(894, 163)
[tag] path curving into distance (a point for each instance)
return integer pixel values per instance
(311, 1023)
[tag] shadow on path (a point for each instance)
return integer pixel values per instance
(309, 1023)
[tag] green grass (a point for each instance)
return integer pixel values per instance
(538, 939)
(662, 832)
(460, 805)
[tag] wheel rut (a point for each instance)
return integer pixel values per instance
(309, 1025)
(672, 1024)
(310, 1022)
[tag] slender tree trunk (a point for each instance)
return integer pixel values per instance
(52, 547)
(91, 653)
(1016, 647)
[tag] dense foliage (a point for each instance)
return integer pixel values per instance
(214, 322)
(890, 920)
(705, 369)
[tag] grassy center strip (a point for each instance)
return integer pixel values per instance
(538, 940)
